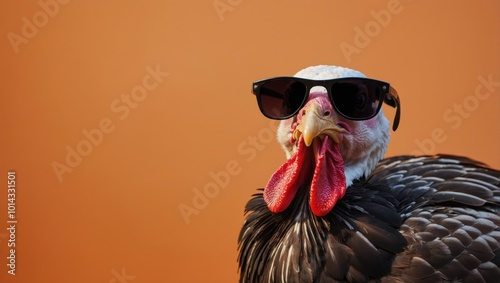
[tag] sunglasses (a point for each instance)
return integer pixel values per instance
(353, 98)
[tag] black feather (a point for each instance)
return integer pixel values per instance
(414, 219)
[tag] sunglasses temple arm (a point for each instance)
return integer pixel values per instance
(394, 102)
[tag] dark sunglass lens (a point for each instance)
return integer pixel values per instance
(356, 99)
(281, 98)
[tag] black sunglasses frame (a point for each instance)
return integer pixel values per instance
(388, 95)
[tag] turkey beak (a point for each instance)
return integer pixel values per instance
(316, 122)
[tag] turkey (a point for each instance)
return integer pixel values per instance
(336, 211)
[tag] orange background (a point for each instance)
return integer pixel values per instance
(117, 213)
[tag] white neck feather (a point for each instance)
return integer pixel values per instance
(368, 150)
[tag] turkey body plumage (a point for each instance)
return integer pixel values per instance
(413, 219)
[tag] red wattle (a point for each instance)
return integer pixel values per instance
(284, 183)
(321, 166)
(328, 183)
